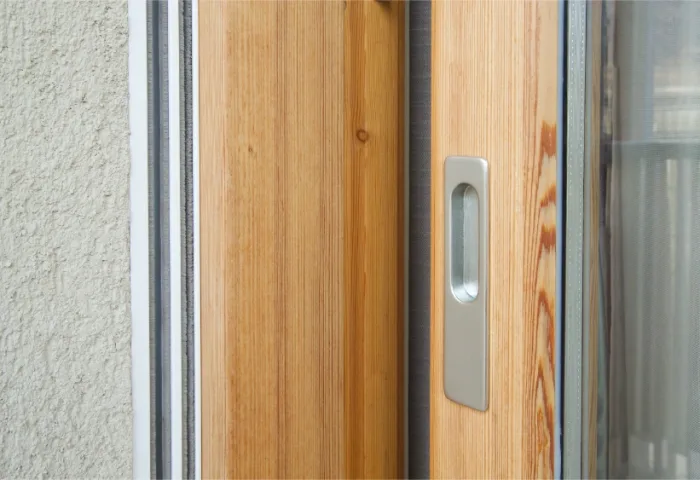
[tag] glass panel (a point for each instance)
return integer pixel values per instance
(643, 228)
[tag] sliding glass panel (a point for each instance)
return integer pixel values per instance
(642, 260)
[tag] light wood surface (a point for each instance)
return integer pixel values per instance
(374, 254)
(301, 226)
(495, 95)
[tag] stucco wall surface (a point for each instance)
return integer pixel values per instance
(65, 387)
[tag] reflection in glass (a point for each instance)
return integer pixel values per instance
(643, 328)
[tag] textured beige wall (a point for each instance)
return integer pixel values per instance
(65, 388)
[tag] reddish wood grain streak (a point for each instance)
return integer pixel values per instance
(547, 148)
(545, 426)
(548, 140)
(543, 303)
(543, 332)
(550, 198)
(548, 239)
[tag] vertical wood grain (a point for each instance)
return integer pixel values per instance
(213, 212)
(495, 95)
(301, 230)
(374, 256)
(271, 155)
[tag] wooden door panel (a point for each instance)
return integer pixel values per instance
(374, 239)
(494, 95)
(301, 161)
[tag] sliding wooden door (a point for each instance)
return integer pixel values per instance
(302, 174)
(494, 95)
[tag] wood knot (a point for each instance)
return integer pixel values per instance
(362, 135)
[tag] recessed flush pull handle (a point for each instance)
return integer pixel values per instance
(466, 268)
(464, 280)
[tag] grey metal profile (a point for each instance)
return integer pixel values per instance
(574, 236)
(171, 238)
(157, 27)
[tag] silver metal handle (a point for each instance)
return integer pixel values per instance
(466, 273)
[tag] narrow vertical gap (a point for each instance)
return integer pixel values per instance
(419, 241)
(158, 213)
(154, 237)
(187, 218)
(560, 328)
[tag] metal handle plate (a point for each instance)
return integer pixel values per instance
(466, 272)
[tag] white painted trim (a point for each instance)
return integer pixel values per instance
(175, 219)
(195, 211)
(140, 276)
